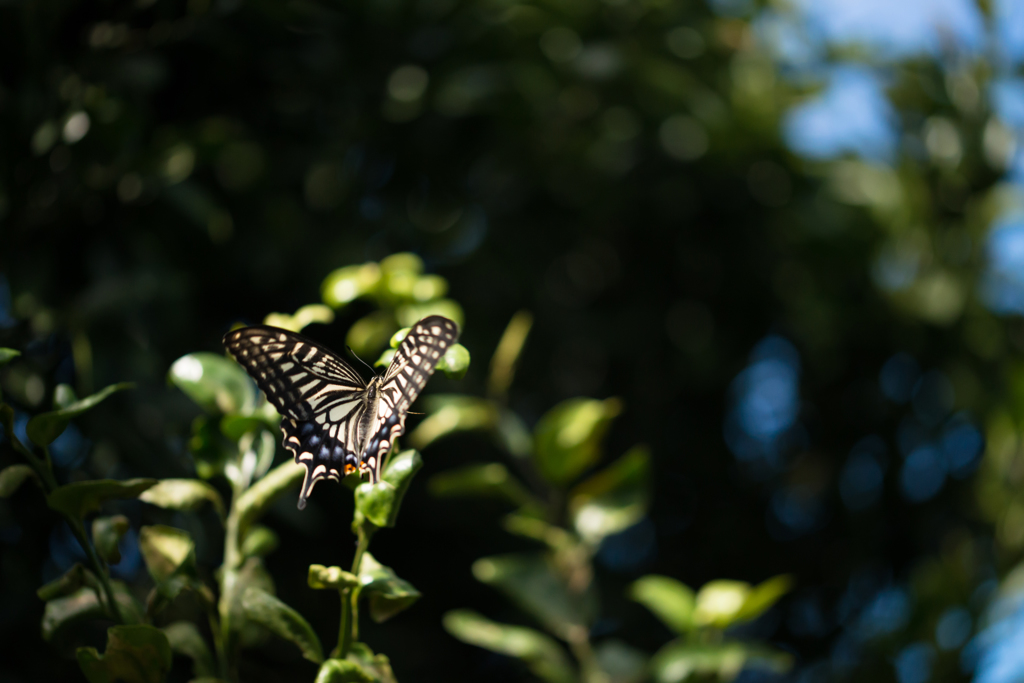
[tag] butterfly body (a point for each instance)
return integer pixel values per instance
(334, 422)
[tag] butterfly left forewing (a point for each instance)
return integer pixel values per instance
(414, 362)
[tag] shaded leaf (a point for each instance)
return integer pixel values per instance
(182, 494)
(7, 355)
(614, 499)
(677, 661)
(537, 586)
(259, 541)
(67, 583)
(375, 502)
(106, 534)
(377, 665)
(342, 671)
(235, 426)
(671, 601)
(336, 578)
(450, 414)
(265, 609)
(370, 333)
(165, 550)
(134, 654)
(544, 657)
(44, 428)
(84, 603)
(386, 594)
(251, 505)
(620, 662)
(411, 313)
(763, 596)
(381, 502)
(491, 480)
(82, 497)
(185, 639)
(216, 383)
(12, 477)
(63, 396)
(568, 437)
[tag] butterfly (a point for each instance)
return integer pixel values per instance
(334, 422)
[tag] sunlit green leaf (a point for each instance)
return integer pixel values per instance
(342, 671)
(429, 287)
(307, 315)
(259, 541)
(82, 497)
(678, 661)
(537, 586)
(719, 602)
(216, 383)
(43, 429)
(182, 494)
(385, 592)
(402, 262)
(455, 361)
(763, 596)
(370, 333)
(106, 534)
(12, 477)
(381, 502)
(568, 437)
(620, 662)
(263, 608)
(545, 658)
(165, 549)
(134, 654)
(7, 355)
(491, 479)
(451, 413)
(614, 499)
(63, 396)
(411, 313)
(671, 601)
(347, 284)
(377, 665)
(185, 639)
(335, 578)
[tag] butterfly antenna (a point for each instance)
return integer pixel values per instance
(353, 354)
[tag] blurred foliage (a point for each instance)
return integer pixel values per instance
(818, 348)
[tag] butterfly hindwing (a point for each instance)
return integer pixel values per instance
(414, 362)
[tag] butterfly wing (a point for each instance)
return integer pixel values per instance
(413, 364)
(319, 396)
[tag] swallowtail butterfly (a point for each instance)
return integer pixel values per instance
(334, 422)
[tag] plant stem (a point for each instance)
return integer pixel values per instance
(579, 643)
(98, 568)
(348, 631)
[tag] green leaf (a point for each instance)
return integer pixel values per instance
(386, 594)
(455, 361)
(216, 383)
(43, 429)
(506, 355)
(259, 541)
(83, 604)
(252, 574)
(370, 333)
(335, 578)
(544, 657)
(381, 502)
(183, 494)
(106, 534)
(235, 426)
(307, 315)
(7, 355)
(763, 596)
(402, 262)
(12, 477)
(620, 662)
(719, 602)
(209, 448)
(377, 665)
(536, 585)
(185, 639)
(568, 437)
(263, 608)
(411, 313)
(671, 601)
(66, 584)
(82, 497)
(135, 654)
(165, 551)
(614, 499)
(63, 396)
(345, 285)
(678, 661)
(254, 502)
(342, 671)
(483, 480)
(449, 414)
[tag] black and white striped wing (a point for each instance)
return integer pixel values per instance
(320, 397)
(413, 364)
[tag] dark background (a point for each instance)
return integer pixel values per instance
(237, 152)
